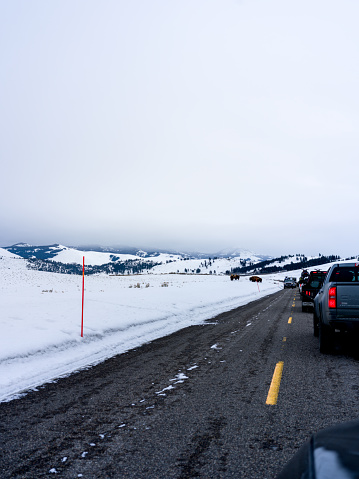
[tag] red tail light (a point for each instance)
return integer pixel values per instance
(332, 301)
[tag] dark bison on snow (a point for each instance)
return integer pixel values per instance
(255, 279)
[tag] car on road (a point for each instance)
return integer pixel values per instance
(289, 283)
(336, 306)
(310, 288)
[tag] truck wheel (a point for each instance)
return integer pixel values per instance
(315, 325)
(304, 309)
(325, 338)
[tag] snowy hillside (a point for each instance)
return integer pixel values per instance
(64, 259)
(204, 266)
(71, 255)
(166, 262)
(169, 262)
(4, 253)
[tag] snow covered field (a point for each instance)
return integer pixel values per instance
(40, 316)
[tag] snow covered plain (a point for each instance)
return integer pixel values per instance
(40, 316)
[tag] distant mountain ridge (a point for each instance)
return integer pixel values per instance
(27, 251)
(128, 260)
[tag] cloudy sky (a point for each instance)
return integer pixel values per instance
(192, 124)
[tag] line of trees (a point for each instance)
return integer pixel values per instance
(264, 266)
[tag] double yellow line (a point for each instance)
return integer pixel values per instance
(277, 376)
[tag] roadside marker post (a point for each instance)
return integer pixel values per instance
(83, 294)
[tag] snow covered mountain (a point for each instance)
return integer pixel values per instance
(4, 253)
(56, 252)
(26, 250)
(239, 253)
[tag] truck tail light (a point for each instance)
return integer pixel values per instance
(332, 301)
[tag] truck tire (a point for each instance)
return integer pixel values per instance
(325, 338)
(315, 325)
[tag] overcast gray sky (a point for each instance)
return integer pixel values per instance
(192, 124)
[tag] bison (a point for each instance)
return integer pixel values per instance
(234, 276)
(255, 279)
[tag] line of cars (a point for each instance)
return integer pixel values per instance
(333, 296)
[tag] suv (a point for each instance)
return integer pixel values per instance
(290, 283)
(311, 287)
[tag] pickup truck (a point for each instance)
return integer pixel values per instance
(310, 288)
(336, 306)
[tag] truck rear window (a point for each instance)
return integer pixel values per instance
(345, 275)
(316, 279)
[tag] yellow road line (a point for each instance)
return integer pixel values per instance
(284, 339)
(274, 387)
(290, 320)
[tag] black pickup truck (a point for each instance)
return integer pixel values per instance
(310, 288)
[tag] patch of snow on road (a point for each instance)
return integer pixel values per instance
(180, 377)
(192, 367)
(161, 393)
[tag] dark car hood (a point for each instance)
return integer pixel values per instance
(332, 453)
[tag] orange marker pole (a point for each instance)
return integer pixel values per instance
(83, 295)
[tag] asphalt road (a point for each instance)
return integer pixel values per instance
(190, 405)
